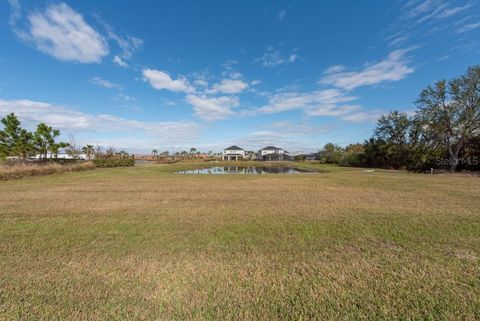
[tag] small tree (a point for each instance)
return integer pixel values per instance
(44, 140)
(154, 153)
(331, 153)
(72, 149)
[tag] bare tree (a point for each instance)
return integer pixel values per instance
(73, 149)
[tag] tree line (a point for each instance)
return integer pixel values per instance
(18, 142)
(443, 132)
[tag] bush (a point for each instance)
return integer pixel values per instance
(38, 169)
(114, 160)
(352, 160)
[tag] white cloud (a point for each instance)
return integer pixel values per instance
(333, 110)
(364, 116)
(123, 97)
(128, 45)
(310, 102)
(201, 83)
(296, 128)
(229, 86)
(32, 112)
(293, 58)
(393, 68)
(468, 27)
(104, 83)
(62, 33)
(273, 57)
(399, 40)
(213, 108)
(119, 61)
(15, 12)
(255, 82)
(281, 14)
(334, 69)
(161, 80)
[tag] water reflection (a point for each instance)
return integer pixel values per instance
(245, 170)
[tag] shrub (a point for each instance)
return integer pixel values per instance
(114, 160)
(352, 160)
(38, 169)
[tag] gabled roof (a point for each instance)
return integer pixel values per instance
(270, 148)
(233, 148)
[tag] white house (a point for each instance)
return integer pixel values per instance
(233, 153)
(272, 153)
(62, 156)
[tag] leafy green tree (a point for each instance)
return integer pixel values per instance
(14, 140)
(44, 139)
(331, 153)
(393, 131)
(450, 112)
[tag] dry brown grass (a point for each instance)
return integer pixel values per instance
(146, 244)
(16, 171)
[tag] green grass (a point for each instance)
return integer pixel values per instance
(146, 244)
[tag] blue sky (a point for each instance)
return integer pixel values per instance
(177, 74)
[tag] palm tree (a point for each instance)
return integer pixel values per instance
(89, 150)
(154, 153)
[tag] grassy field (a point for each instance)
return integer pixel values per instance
(146, 244)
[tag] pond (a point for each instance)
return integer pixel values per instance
(247, 170)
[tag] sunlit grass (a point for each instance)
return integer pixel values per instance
(144, 243)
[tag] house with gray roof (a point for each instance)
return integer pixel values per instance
(272, 153)
(233, 153)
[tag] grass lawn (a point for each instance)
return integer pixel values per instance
(143, 243)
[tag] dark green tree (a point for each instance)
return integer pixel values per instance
(392, 131)
(14, 140)
(44, 140)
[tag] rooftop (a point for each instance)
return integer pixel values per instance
(233, 148)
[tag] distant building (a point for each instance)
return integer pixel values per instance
(269, 153)
(63, 156)
(272, 153)
(250, 155)
(233, 153)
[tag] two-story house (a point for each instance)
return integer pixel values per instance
(233, 153)
(272, 153)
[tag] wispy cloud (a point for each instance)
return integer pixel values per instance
(125, 98)
(128, 44)
(468, 27)
(62, 33)
(274, 57)
(395, 67)
(310, 102)
(281, 15)
(161, 80)
(105, 83)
